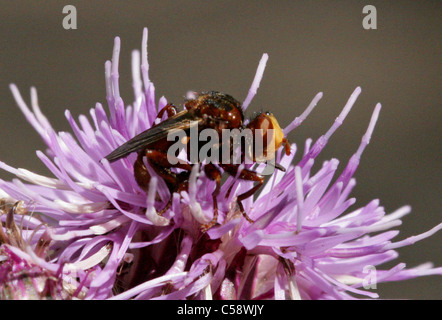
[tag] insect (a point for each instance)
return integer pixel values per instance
(208, 110)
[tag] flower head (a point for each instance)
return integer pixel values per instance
(103, 235)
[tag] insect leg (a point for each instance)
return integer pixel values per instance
(169, 108)
(159, 162)
(213, 173)
(253, 177)
(142, 176)
(248, 175)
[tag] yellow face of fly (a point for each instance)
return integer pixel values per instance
(278, 137)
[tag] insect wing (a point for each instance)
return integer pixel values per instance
(181, 121)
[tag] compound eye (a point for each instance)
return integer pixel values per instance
(262, 121)
(266, 129)
(270, 126)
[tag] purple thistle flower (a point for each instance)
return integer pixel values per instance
(104, 239)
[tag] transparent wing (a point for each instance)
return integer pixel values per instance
(182, 120)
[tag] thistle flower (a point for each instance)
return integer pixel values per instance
(103, 238)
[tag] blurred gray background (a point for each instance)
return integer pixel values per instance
(202, 45)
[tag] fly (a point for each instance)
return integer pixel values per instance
(209, 110)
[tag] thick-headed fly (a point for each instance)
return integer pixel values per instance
(209, 110)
